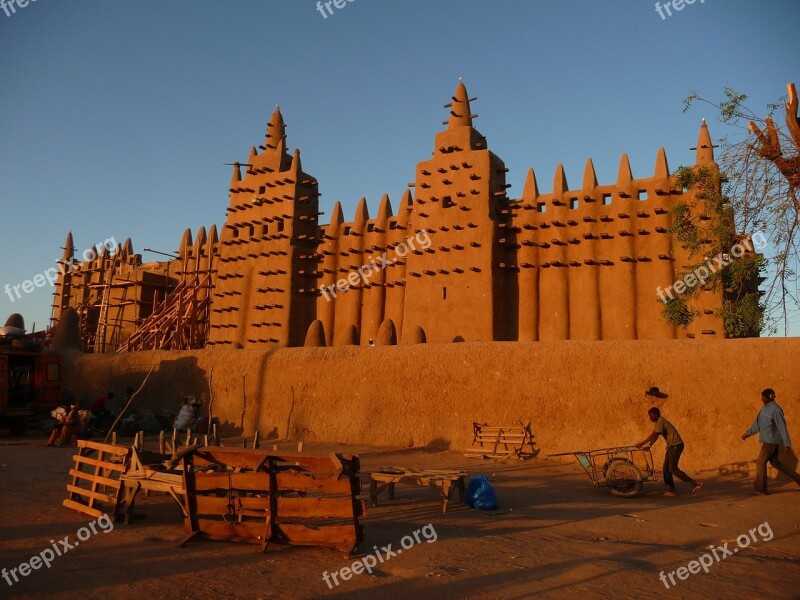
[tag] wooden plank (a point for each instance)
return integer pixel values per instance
(152, 485)
(251, 482)
(92, 512)
(253, 459)
(91, 477)
(110, 448)
(335, 536)
(91, 494)
(175, 478)
(213, 505)
(235, 532)
(387, 477)
(231, 457)
(323, 508)
(304, 462)
(98, 463)
(298, 482)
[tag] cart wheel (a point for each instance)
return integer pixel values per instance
(624, 477)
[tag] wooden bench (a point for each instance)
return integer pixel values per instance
(444, 481)
(502, 443)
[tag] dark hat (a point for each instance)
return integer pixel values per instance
(655, 393)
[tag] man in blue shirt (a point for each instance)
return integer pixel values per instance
(770, 426)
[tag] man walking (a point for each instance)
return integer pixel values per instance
(770, 425)
(675, 448)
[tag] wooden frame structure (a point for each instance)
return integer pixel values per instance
(262, 497)
(502, 443)
(96, 486)
(148, 472)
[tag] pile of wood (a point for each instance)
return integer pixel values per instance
(231, 494)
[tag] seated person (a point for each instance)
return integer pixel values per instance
(187, 414)
(100, 409)
(72, 426)
(60, 415)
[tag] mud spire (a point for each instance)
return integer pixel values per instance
(69, 248)
(297, 166)
(337, 217)
(624, 175)
(460, 112)
(186, 243)
(530, 191)
(361, 216)
(236, 177)
(705, 149)
(589, 176)
(560, 185)
(384, 210)
(275, 139)
(662, 168)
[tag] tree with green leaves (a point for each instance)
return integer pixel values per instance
(759, 191)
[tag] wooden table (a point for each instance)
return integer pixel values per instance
(444, 481)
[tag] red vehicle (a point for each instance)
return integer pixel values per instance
(30, 382)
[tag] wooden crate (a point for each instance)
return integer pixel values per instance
(502, 442)
(266, 497)
(96, 488)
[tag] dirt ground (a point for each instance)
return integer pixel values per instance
(554, 536)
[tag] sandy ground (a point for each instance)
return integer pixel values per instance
(554, 536)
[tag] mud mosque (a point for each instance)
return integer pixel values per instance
(580, 263)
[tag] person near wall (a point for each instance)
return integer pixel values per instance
(187, 415)
(72, 426)
(770, 425)
(100, 409)
(675, 447)
(60, 416)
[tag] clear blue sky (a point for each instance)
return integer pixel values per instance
(116, 118)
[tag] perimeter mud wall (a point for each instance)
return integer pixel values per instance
(578, 395)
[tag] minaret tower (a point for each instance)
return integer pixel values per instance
(265, 293)
(459, 287)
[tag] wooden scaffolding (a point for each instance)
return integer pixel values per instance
(178, 323)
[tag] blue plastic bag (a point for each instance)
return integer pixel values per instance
(480, 494)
